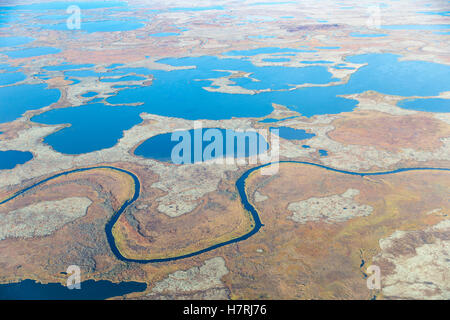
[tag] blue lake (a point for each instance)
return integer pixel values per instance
(178, 94)
(31, 52)
(7, 68)
(384, 73)
(323, 153)
(96, 100)
(89, 94)
(90, 290)
(11, 158)
(14, 41)
(343, 68)
(160, 147)
(430, 105)
(100, 26)
(289, 133)
(15, 100)
(197, 102)
(6, 19)
(11, 78)
(165, 34)
(87, 132)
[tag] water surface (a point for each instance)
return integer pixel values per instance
(90, 290)
(93, 126)
(181, 93)
(165, 34)
(14, 41)
(429, 105)
(11, 158)
(8, 78)
(31, 52)
(160, 147)
(89, 94)
(119, 24)
(289, 133)
(17, 99)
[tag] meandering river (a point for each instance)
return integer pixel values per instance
(256, 224)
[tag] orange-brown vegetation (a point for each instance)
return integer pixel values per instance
(418, 131)
(145, 233)
(81, 242)
(320, 260)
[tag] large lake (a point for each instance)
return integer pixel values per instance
(181, 94)
(90, 290)
(11, 158)
(210, 144)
